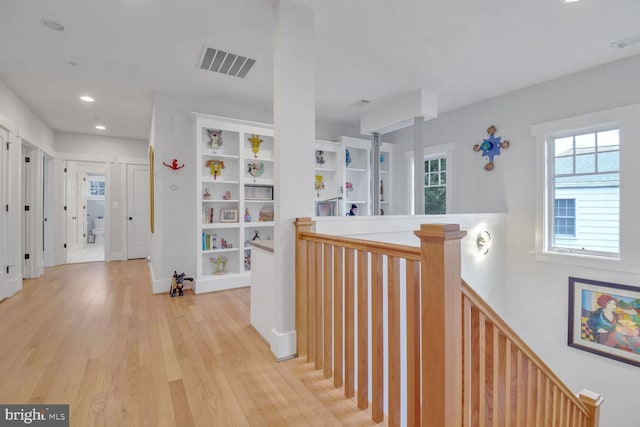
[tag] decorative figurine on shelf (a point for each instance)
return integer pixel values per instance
(256, 235)
(247, 215)
(381, 192)
(491, 146)
(255, 170)
(255, 145)
(347, 156)
(247, 260)
(266, 213)
(216, 167)
(381, 157)
(319, 157)
(227, 195)
(353, 211)
(177, 284)
(225, 245)
(215, 137)
(319, 184)
(206, 195)
(348, 186)
(220, 263)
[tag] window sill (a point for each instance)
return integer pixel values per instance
(586, 261)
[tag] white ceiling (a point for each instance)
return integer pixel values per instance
(125, 50)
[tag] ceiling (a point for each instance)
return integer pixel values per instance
(123, 51)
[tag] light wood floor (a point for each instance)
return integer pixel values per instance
(92, 335)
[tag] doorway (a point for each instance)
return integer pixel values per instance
(85, 195)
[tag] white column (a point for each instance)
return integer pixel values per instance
(294, 124)
(418, 166)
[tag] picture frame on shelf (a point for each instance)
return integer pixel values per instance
(604, 319)
(325, 208)
(228, 215)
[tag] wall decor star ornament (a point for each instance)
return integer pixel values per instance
(491, 146)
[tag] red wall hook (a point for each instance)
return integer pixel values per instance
(174, 165)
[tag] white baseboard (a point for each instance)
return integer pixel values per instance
(283, 344)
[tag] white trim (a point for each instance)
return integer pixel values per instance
(283, 344)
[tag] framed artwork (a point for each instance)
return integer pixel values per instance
(604, 319)
(228, 215)
(325, 209)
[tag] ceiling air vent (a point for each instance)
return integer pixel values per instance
(223, 62)
(621, 44)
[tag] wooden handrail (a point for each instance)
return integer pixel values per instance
(464, 364)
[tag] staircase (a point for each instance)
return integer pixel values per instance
(398, 329)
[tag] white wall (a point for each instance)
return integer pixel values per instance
(537, 292)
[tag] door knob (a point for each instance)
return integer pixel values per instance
(130, 218)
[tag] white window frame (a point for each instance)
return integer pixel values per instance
(626, 119)
(440, 150)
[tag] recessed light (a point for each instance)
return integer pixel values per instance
(101, 127)
(53, 25)
(87, 98)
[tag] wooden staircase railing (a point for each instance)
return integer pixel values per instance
(463, 364)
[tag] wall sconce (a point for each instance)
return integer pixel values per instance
(484, 242)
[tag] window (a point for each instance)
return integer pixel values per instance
(96, 188)
(565, 217)
(585, 188)
(435, 186)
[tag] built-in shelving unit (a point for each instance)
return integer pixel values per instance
(235, 170)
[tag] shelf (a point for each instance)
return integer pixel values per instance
(218, 181)
(258, 200)
(326, 170)
(349, 169)
(215, 251)
(219, 201)
(221, 225)
(224, 156)
(259, 224)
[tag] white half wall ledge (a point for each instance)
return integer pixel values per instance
(399, 113)
(283, 344)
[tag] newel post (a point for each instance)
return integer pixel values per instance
(592, 401)
(441, 314)
(304, 224)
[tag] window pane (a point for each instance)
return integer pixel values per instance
(564, 146)
(564, 165)
(434, 179)
(609, 162)
(586, 143)
(609, 140)
(443, 164)
(426, 166)
(435, 200)
(586, 163)
(443, 178)
(433, 165)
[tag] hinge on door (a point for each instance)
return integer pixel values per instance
(65, 170)
(65, 208)
(8, 142)
(65, 246)
(26, 208)
(7, 208)
(26, 256)
(7, 269)
(27, 160)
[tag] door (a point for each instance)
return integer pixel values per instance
(138, 235)
(5, 261)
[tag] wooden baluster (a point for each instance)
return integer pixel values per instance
(413, 343)
(467, 358)
(328, 308)
(363, 330)
(441, 324)
(318, 307)
(393, 319)
(311, 302)
(338, 280)
(349, 324)
(302, 287)
(482, 371)
(377, 339)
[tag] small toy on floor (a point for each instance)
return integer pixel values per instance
(177, 283)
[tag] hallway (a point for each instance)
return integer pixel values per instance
(93, 336)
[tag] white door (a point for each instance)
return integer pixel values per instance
(138, 234)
